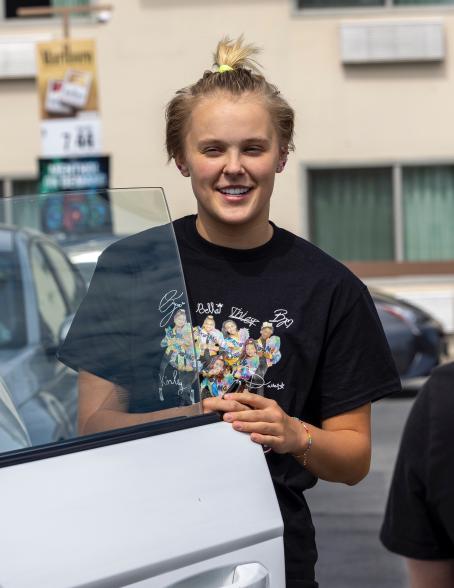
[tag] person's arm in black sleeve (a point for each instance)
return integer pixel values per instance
(419, 516)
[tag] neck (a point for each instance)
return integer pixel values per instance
(249, 236)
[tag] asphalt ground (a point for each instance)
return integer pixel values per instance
(347, 519)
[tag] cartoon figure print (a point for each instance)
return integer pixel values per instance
(217, 379)
(268, 345)
(233, 342)
(232, 360)
(179, 353)
(209, 341)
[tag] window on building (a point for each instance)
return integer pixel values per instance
(376, 214)
(10, 7)
(428, 207)
(13, 212)
(24, 187)
(351, 212)
(339, 3)
(308, 4)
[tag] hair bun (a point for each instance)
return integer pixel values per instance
(235, 54)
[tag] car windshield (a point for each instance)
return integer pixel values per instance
(12, 326)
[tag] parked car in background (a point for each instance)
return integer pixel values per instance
(83, 251)
(40, 290)
(417, 340)
(13, 432)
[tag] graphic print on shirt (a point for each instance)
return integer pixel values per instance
(179, 356)
(227, 356)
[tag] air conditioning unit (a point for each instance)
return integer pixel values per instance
(18, 55)
(388, 41)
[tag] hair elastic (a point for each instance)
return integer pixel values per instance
(223, 68)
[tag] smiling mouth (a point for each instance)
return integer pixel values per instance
(235, 191)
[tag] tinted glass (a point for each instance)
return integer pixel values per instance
(68, 277)
(12, 317)
(51, 305)
(131, 342)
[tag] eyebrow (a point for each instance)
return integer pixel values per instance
(248, 141)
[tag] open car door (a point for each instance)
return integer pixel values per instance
(180, 501)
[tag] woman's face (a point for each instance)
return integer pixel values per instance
(250, 350)
(231, 328)
(232, 153)
(218, 365)
(180, 320)
(208, 325)
(266, 332)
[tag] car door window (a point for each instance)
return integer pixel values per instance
(51, 304)
(69, 280)
(132, 329)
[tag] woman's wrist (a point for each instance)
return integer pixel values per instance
(302, 453)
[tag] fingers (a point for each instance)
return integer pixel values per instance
(262, 428)
(247, 415)
(252, 400)
(268, 440)
(221, 405)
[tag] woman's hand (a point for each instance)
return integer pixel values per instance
(266, 423)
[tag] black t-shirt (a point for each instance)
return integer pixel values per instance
(327, 353)
(419, 517)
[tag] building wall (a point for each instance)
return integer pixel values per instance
(150, 48)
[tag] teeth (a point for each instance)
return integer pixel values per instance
(234, 191)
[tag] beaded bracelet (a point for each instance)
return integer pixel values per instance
(305, 453)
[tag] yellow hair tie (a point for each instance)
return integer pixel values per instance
(224, 68)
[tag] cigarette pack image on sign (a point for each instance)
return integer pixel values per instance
(76, 88)
(53, 104)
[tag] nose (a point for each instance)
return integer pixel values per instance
(233, 164)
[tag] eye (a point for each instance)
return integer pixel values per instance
(212, 150)
(254, 149)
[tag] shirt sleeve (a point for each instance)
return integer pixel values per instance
(419, 516)
(99, 338)
(356, 366)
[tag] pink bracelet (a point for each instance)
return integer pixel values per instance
(305, 453)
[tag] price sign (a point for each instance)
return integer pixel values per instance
(71, 137)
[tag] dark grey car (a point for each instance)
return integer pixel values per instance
(39, 291)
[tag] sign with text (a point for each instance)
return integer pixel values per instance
(73, 173)
(74, 196)
(73, 136)
(67, 81)
(68, 98)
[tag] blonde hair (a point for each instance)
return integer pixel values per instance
(242, 75)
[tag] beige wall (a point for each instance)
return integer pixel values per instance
(152, 47)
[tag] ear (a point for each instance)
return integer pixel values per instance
(183, 168)
(282, 160)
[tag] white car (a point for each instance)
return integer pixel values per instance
(182, 503)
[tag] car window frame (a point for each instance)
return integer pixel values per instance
(103, 439)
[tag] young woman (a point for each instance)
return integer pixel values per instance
(230, 133)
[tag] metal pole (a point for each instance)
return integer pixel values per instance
(66, 24)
